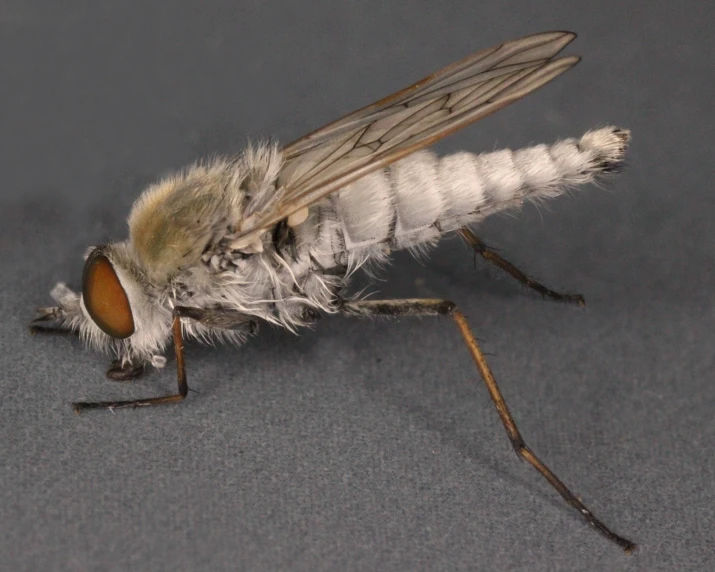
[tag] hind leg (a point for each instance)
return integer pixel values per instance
(491, 256)
(436, 307)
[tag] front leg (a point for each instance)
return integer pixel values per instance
(228, 319)
(66, 319)
(63, 318)
(126, 372)
(173, 398)
(218, 318)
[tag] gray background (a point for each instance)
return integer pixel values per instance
(364, 445)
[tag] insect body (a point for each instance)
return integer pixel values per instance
(273, 235)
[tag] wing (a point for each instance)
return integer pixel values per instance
(379, 134)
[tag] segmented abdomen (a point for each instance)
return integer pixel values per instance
(423, 196)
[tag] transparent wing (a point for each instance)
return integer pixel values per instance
(379, 134)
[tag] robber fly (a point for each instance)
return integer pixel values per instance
(273, 234)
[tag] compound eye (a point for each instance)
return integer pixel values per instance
(105, 299)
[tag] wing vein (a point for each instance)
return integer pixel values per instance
(375, 136)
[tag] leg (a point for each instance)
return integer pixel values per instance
(51, 320)
(214, 318)
(491, 256)
(117, 372)
(431, 307)
(175, 398)
(58, 320)
(62, 318)
(218, 318)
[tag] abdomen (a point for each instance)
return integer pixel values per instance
(421, 197)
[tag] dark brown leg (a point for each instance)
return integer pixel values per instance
(117, 372)
(491, 256)
(41, 329)
(175, 398)
(432, 307)
(47, 320)
(216, 318)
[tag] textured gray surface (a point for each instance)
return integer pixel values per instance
(364, 446)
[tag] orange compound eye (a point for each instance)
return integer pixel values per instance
(105, 299)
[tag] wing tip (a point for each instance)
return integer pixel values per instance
(544, 45)
(562, 40)
(552, 35)
(560, 34)
(569, 61)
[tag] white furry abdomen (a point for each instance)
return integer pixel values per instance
(421, 197)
